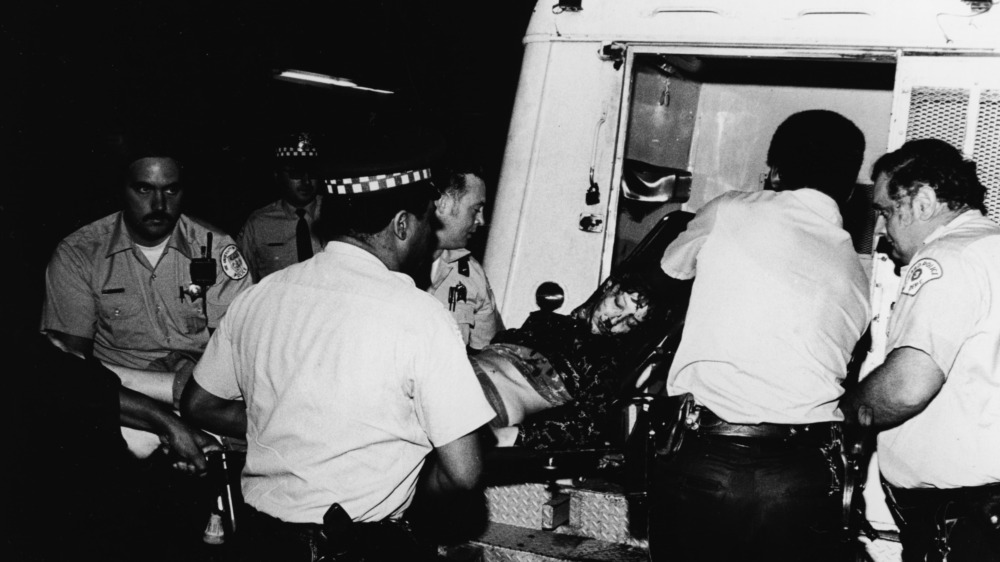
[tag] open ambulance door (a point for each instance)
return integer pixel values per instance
(696, 121)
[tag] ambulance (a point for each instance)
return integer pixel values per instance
(628, 110)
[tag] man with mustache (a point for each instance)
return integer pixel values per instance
(457, 278)
(120, 289)
(936, 398)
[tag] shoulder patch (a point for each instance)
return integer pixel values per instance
(233, 263)
(921, 273)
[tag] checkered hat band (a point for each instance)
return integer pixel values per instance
(366, 184)
(293, 151)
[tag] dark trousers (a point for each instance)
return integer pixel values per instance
(723, 498)
(957, 525)
(263, 538)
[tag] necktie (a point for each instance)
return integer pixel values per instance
(302, 239)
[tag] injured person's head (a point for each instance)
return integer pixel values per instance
(618, 306)
(621, 306)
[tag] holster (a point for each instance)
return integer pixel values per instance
(339, 532)
(856, 446)
(979, 504)
(676, 416)
(381, 541)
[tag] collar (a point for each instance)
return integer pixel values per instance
(954, 223)
(335, 248)
(819, 203)
(452, 256)
(311, 209)
(121, 240)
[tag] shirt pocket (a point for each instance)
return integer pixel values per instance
(192, 317)
(278, 255)
(123, 317)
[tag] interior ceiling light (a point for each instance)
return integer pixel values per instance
(323, 80)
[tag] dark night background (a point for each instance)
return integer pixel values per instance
(83, 74)
(79, 75)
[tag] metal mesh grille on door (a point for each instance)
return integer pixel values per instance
(943, 113)
(986, 150)
(939, 113)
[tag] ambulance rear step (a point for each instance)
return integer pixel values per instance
(539, 522)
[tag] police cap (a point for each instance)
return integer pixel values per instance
(299, 146)
(384, 161)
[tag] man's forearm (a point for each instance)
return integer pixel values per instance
(229, 420)
(456, 467)
(437, 481)
(158, 385)
(139, 411)
(874, 394)
(187, 443)
(897, 390)
(216, 414)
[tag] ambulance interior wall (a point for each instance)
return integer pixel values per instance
(735, 124)
(733, 129)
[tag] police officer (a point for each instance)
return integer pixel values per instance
(778, 303)
(457, 279)
(281, 233)
(351, 375)
(936, 397)
(84, 406)
(121, 290)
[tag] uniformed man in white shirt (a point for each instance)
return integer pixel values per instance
(936, 398)
(778, 303)
(457, 278)
(351, 376)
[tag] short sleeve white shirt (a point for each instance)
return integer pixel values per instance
(351, 376)
(778, 303)
(949, 308)
(476, 314)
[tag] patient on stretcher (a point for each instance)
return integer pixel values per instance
(554, 380)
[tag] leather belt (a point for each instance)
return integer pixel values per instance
(273, 524)
(710, 424)
(963, 494)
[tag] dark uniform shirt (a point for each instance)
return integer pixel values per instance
(268, 241)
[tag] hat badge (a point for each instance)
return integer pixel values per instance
(301, 145)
